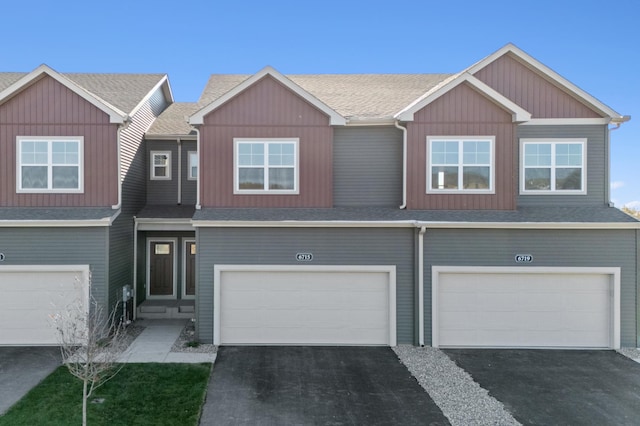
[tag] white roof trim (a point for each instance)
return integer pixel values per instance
(551, 74)
(518, 113)
(115, 115)
(411, 223)
(566, 121)
(335, 119)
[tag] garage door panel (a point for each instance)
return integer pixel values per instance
(524, 309)
(32, 295)
(304, 307)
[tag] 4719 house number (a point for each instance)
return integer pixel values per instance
(523, 258)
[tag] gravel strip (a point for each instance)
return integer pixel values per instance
(461, 399)
(633, 353)
(186, 342)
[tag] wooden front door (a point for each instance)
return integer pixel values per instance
(190, 268)
(162, 269)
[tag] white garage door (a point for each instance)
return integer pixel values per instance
(506, 308)
(31, 295)
(304, 306)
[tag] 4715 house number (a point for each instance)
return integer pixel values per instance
(304, 257)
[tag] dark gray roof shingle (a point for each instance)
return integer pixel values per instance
(56, 213)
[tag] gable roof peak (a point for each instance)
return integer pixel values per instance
(334, 117)
(115, 114)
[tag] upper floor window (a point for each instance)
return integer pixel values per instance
(160, 165)
(266, 166)
(460, 164)
(193, 165)
(552, 166)
(50, 164)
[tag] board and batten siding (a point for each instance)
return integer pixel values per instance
(560, 248)
(367, 166)
(597, 163)
(47, 108)
(329, 246)
(531, 91)
(462, 112)
(267, 109)
(132, 175)
(60, 246)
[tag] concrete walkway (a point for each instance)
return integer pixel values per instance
(155, 342)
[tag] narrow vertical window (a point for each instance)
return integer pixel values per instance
(193, 165)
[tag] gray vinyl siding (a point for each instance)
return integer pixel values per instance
(60, 246)
(133, 194)
(336, 246)
(597, 163)
(566, 248)
(367, 166)
(162, 192)
(188, 186)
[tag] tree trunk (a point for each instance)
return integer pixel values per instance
(84, 403)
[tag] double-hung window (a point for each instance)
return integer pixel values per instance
(264, 166)
(161, 165)
(193, 165)
(552, 166)
(460, 164)
(50, 164)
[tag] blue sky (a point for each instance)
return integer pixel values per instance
(595, 46)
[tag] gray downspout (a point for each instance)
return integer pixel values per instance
(179, 171)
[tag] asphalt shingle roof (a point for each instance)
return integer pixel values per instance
(55, 213)
(541, 214)
(173, 120)
(123, 91)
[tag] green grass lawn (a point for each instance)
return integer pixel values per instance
(140, 394)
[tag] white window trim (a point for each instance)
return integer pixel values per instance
(552, 190)
(266, 141)
(492, 166)
(21, 190)
(152, 169)
(190, 166)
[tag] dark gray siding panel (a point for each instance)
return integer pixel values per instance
(162, 192)
(367, 166)
(59, 246)
(329, 247)
(597, 160)
(574, 248)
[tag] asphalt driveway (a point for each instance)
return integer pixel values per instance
(553, 387)
(315, 386)
(21, 368)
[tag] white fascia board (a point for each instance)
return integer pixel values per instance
(370, 121)
(530, 225)
(169, 137)
(549, 73)
(335, 119)
(164, 81)
(518, 113)
(115, 115)
(55, 223)
(152, 224)
(302, 224)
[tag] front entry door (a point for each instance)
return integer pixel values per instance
(161, 282)
(189, 269)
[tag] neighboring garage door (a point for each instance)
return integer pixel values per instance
(288, 305)
(31, 295)
(526, 307)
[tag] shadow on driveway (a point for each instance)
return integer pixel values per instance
(315, 386)
(551, 387)
(21, 368)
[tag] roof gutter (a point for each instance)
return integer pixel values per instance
(404, 163)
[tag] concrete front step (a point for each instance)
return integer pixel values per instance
(168, 310)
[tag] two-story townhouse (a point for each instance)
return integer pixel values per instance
(71, 179)
(449, 210)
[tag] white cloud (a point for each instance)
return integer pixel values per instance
(633, 205)
(617, 184)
